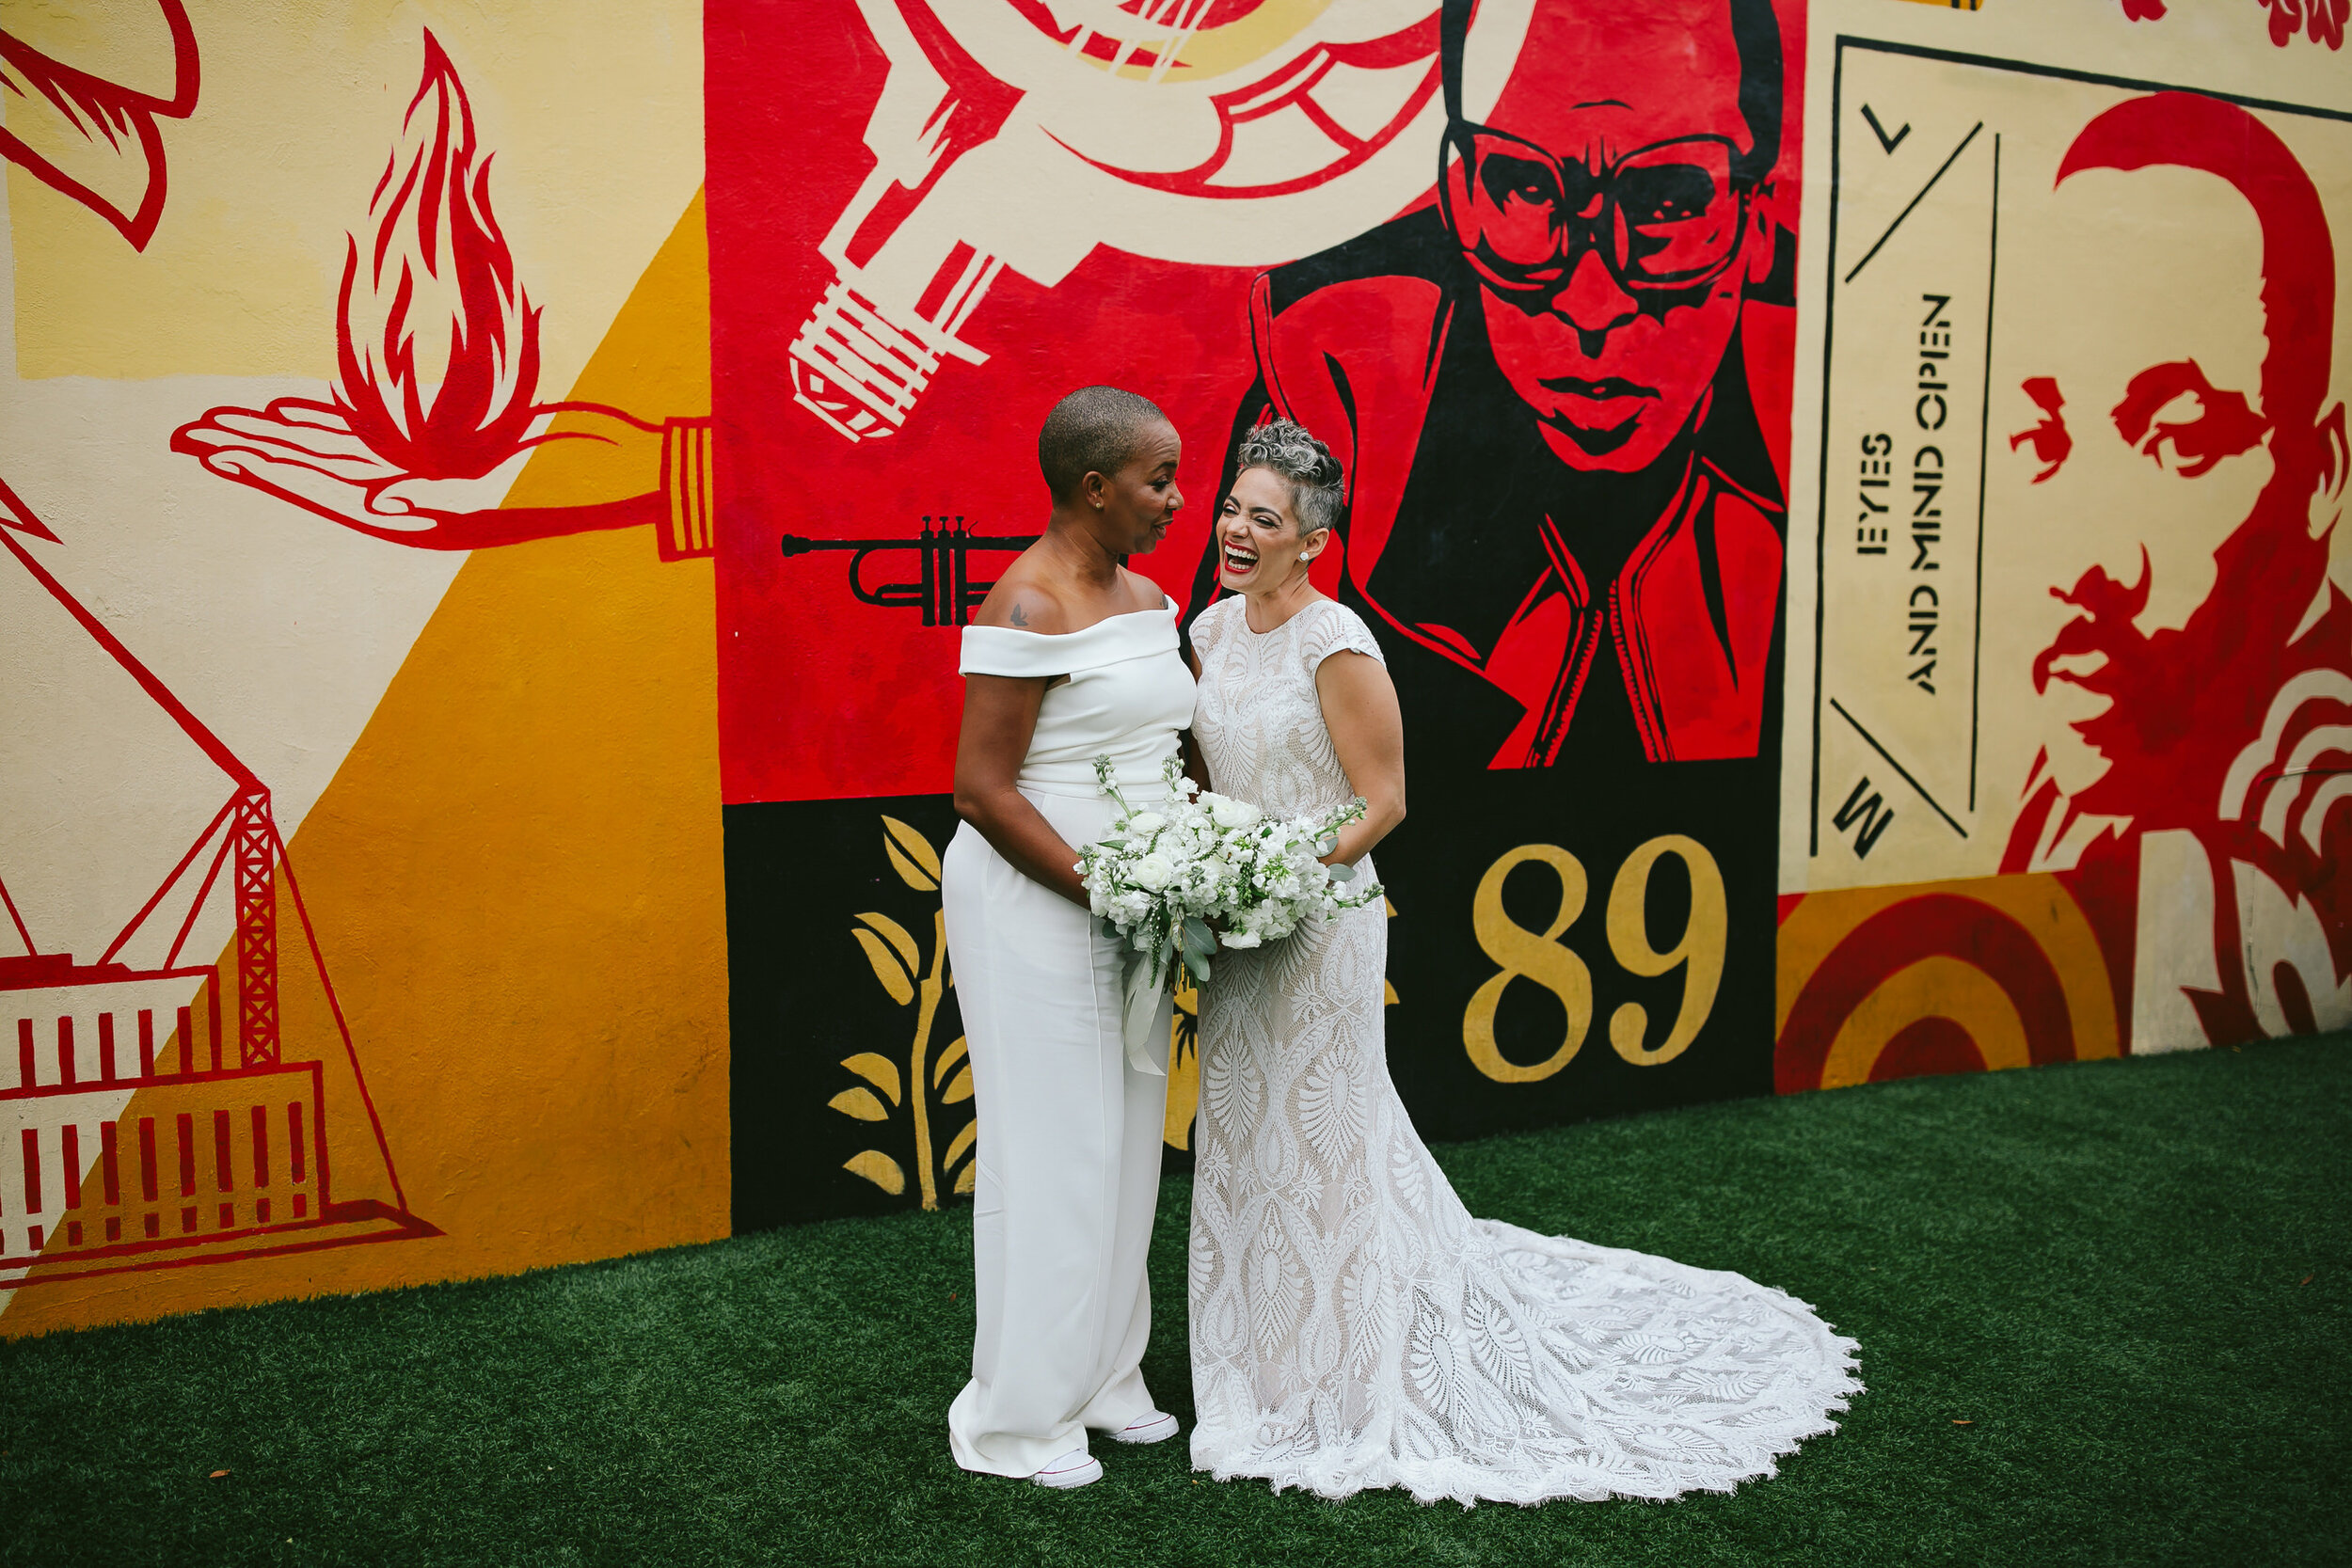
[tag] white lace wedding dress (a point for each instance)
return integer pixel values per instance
(1353, 1326)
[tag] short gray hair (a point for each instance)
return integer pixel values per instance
(1316, 480)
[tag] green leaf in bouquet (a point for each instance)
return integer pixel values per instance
(1199, 964)
(1198, 937)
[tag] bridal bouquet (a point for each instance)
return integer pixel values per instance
(1175, 880)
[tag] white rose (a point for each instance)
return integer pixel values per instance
(1231, 814)
(1146, 822)
(1153, 871)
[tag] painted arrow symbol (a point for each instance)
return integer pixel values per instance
(1890, 143)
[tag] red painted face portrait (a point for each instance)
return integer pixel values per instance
(2186, 470)
(1562, 505)
(1615, 219)
(2185, 478)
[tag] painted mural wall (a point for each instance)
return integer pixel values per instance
(364, 919)
(1847, 490)
(2072, 662)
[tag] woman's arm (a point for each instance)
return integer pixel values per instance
(1195, 763)
(1368, 733)
(999, 717)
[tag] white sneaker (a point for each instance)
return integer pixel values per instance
(1076, 1468)
(1151, 1427)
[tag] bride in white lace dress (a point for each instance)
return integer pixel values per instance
(1353, 1326)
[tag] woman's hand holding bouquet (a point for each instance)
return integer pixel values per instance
(1175, 879)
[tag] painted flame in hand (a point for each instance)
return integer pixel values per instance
(452, 411)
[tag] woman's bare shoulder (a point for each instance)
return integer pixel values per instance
(1024, 600)
(1143, 592)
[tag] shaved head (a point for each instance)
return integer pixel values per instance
(1093, 429)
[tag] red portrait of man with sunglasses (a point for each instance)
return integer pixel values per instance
(1563, 518)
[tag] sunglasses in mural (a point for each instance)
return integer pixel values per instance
(1665, 218)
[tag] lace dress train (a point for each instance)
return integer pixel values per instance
(1353, 1325)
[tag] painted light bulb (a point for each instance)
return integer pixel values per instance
(1020, 133)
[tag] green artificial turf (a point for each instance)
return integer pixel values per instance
(2128, 1278)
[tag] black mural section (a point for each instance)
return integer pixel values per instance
(1450, 970)
(813, 1138)
(807, 995)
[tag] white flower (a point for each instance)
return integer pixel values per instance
(1153, 871)
(1146, 822)
(1241, 939)
(1229, 813)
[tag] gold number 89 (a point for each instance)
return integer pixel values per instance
(1700, 946)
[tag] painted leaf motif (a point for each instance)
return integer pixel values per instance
(960, 1090)
(899, 938)
(911, 855)
(957, 1050)
(879, 1168)
(965, 1178)
(887, 969)
(860, 1103)
(878, 1071)
(960, 1142)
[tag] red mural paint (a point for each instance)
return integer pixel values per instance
(97, 141)
(433, 236)
(438, 362)
(2321, 20)
(888, 344)
(2227, 740)
(1527, 269)
(1935, 925)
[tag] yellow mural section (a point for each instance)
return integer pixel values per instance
(517, 882)
(289, 135)
(1823, 941)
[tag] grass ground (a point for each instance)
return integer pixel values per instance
(2102, 1310)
